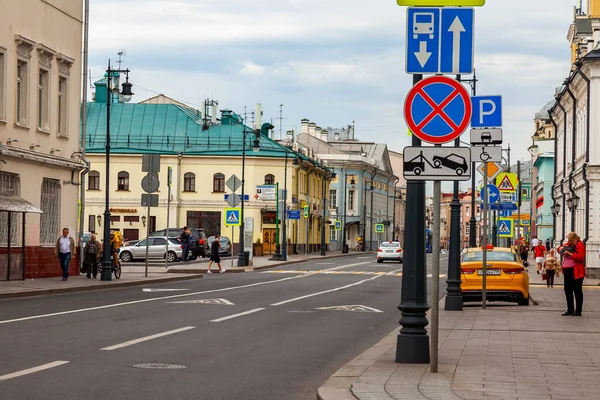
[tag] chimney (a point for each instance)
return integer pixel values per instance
(304, 125)
(325, 135)
(258, 117)
(336, 136)
(318, 132)
(311, 128)
(214, 114)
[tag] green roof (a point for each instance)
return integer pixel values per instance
(171, 129)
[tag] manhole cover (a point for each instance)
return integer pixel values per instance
(158, 366)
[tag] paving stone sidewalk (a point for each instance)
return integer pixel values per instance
(503, 352)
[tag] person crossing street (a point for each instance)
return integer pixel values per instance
(214, 254)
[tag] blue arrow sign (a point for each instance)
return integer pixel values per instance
(493, 194)
(487, 112)
(439, 40)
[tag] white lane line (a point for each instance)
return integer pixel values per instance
(325, 291)
(237, 315)
(146, 338)
(175, 296)
(32, 370)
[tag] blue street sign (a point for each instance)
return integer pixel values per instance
(439, 40)
(294, 214)
(487, 112)
(246, 197)
(501, 206)
(505, 213)
(505, 227)
(456, 49)
(232, 217)
(493, 194)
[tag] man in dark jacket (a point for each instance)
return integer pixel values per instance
(91, 255)
(185, 242)
(214, 254)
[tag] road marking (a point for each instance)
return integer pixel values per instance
(175, 296)
(325, 291)
(163, 290)
(283, 271)
(146, 338)
(355, 308)
(223, 302)
(237, 315)
(32, 370)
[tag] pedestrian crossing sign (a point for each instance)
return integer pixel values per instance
(379, 228)
(232, 217)
(338, 225)
(506, 227)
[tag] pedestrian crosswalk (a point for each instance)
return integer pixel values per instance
(325, 272)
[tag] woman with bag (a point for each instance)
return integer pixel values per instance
(573, 268)
(550, 268)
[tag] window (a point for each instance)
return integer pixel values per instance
(131, 219)
(332, 233)
(2, 82)
(94, 180)
(123, 181)
(21, 106)
(218, 183)
(351, 199)
(210, 221)
(189, 182)
(332, 199)
(467, 229)
(269, 179)
(10, 184)
(43, 99)
(50, 206)
(115, 218)
(92, 223)
(62, 106)
(467, 209)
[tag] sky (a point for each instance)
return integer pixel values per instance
(335, 62)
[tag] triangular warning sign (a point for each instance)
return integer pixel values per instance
(232, 218)
(506, 184)
(503, 228)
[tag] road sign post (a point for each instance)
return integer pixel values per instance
(485, 241)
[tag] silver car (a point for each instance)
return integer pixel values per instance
(156, 249)
(389, 251)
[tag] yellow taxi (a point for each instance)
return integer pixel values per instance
(506, 277)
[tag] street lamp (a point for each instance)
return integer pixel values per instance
(555, 209)
(125, 95)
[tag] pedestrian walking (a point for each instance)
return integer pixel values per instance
(91, 256)
(214, 254)
(548, 244)
(540, 253)
(551, 266)
(524, 253)
(573, 268)
(64, 250)
(185, 236)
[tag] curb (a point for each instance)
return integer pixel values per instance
(94, 288)
(306, 259)
(203, 271)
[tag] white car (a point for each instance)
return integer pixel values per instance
(156, 249)
(389, 251)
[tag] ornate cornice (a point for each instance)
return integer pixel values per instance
(64, 63)
(45, 55)
(24, 46)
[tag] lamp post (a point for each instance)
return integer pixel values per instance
(255, 148)
(323, 244)
(125, 96)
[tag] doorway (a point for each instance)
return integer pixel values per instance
(269, 241)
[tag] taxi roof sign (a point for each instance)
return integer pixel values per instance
(441, 3)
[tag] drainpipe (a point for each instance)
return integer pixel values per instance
(364, 234)
(564, 168)
(573, 144)
(554, 176)
(84, 117)
(587, 151)
(371, 227)
(178, 214)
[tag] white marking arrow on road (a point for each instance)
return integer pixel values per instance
(422, 55)
(224, 302)
(356, 308)
(456, 28)
(162, 290)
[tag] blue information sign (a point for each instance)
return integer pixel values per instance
(487, 112)
(293, 214)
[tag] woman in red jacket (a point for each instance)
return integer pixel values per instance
(573, 268)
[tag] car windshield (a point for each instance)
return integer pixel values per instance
(174, 241)
(491, 256)
(388, 244)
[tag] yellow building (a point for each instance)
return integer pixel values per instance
(40, 97)
(203, 155)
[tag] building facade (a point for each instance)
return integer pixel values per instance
(40, 86)
(202, 155)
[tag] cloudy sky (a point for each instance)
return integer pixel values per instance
(331, 61)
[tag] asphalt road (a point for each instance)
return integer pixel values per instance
(258, 335)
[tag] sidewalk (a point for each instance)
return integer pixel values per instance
(503, 352)
(536, 279)
(134, 275)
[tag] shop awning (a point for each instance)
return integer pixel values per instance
(17, 205)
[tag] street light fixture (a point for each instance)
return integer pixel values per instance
(144, 220)
(555, 209)
(99, 219)
(125, 95)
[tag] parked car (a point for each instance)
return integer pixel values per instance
(199, 244)
(389, 251)
(156, 248)
(224, 248)
(506, 277)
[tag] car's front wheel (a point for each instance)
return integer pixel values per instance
(126, 256)
(524, 302)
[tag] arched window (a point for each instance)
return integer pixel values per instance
(189, 182)
(269, 179)
(123, 181)
(94, 180)
(219, 183)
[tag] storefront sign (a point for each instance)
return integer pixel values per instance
(123, 210)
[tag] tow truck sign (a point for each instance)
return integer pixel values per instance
(437, 163)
